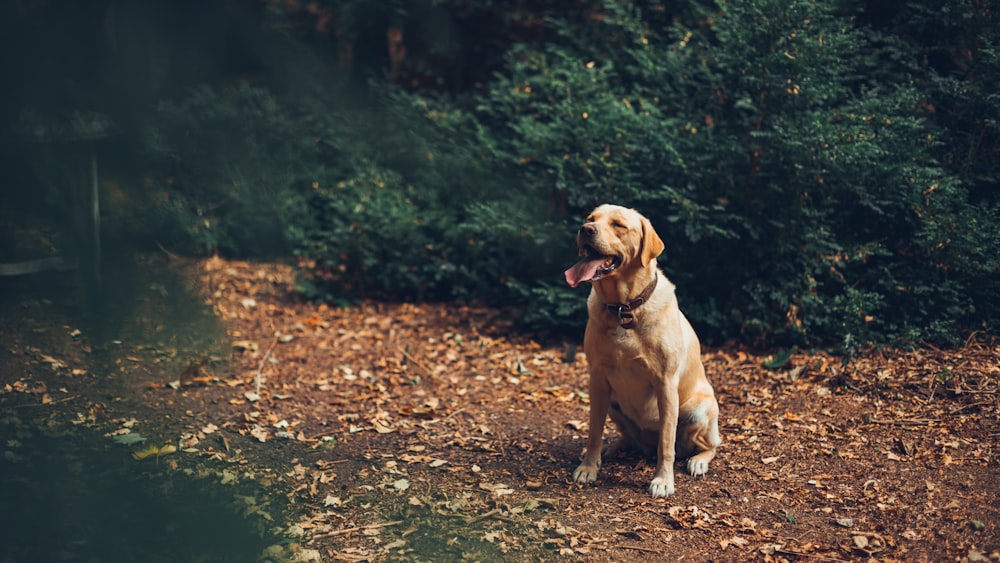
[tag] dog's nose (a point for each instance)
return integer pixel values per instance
(588, 230)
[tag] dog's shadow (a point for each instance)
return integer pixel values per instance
(626, 465)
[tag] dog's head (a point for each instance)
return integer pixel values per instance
(614, 239)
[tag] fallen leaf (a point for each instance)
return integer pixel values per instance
(735, 540)
(190, 374)
(771, 549)
(976, 556)
(53, 363)
(382, 429)
(906, 447)
(498, 489)
(129, 438)
(153, 450)
(779, 360)
(391, 545)
(247, 345)
(689, 517)
(259, 432)
(228, 476)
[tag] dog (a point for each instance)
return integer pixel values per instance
(644, 357)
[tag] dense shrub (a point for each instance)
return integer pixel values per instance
(799, 196)
(818, 173)
(230, 163)
(425, 211)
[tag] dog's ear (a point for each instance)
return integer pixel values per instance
(651, 245)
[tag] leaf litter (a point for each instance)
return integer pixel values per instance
(411, 431)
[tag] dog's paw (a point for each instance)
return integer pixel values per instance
(697, 467)
(585, 474)
(661, 487)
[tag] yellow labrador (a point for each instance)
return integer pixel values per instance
(644, 357)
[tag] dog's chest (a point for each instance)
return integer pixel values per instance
(632, 378)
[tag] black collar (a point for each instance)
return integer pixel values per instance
(624, 310)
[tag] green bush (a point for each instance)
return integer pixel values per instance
(818, 174)
(230, 164)
(799, 199)
(375, 234)
(425, 212)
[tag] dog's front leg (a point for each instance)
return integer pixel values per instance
(662, 484)
(600, 400)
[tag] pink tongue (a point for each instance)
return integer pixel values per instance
(585, 270)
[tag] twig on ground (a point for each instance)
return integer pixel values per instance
(495, 513)
(260, 367)
(970, 406)
(63, 400)
(801, 554)
(343, 531)
(638, 548)
(931, 389)
(916, 421)
(417, 362)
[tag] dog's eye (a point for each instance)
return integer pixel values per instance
(618, 225)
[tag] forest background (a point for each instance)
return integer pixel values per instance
(823, 173)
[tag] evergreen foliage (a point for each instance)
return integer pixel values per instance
(821, 172)
(230, 163)
(799, 195)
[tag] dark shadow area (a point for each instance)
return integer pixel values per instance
(67, 492)
(143, 301)
(71, 499)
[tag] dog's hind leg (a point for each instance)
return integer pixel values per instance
(698, 434)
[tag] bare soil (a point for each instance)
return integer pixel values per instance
(438, 432)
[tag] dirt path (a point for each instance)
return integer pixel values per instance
(438, 433)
